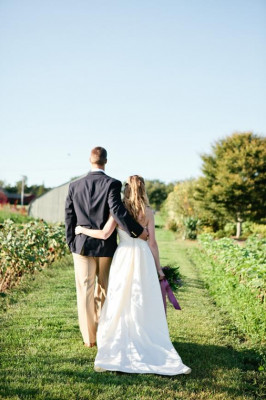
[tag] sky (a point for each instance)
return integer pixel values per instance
(155, 82)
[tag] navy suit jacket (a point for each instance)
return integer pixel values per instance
(89, 203)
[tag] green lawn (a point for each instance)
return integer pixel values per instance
(42, 355)
(8, 213)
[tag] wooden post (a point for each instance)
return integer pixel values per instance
(22, 189)
(238, 226)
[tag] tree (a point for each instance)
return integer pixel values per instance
(19, 184)
(234, 179)
(37, 190)
(9, 188)
(182, 210)
(157, 192)
(180, 202)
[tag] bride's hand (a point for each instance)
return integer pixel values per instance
(161, 275)
(78, 230)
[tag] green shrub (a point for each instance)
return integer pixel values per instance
(229, 229)
(206, 230)
(251, 228)
(25, 248)
(171, 225)
(190, 228)
(219, 234)
(236, 278)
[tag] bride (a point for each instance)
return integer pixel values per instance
(133, 334)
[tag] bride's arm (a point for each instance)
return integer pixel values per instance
(104, 233)
(153, 243)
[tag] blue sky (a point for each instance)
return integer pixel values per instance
(154, 82)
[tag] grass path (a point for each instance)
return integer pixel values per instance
(42, 356)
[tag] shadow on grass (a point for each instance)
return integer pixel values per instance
(159, 226)
(194, 283)
(207, 363)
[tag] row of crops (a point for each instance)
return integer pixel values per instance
(236, 278)
(26, 248)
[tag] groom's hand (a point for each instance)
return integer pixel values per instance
(144, 235)
(78, 230)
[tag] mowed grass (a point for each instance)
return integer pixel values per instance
(7, 213)
(42, 355)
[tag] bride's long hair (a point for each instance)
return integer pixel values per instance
(135, 197)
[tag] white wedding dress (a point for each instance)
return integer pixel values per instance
(133, 333)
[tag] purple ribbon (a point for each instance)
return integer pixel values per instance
(166, 290)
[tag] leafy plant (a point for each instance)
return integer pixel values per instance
(190, 228)
(236, 277)
(251, 228)
(25, 248)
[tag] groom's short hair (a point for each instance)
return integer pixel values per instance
(98, 156)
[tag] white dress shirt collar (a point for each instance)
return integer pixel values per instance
(97, 170)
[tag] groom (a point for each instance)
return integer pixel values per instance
(89, 202)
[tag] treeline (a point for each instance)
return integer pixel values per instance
(36, 190)
(229, 199)
(157, 192)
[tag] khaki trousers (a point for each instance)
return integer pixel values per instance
(90, 294)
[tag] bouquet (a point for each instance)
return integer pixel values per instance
(172, 275)
(171, 282)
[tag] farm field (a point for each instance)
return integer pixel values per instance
(42, 356)
(28, 246)
(236, 278)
